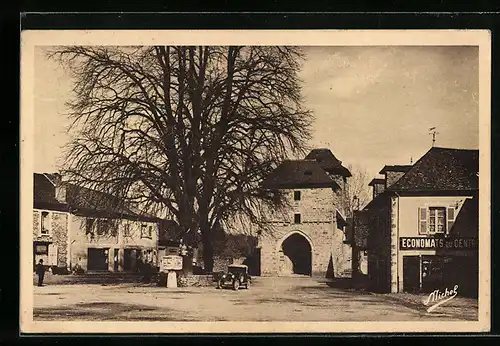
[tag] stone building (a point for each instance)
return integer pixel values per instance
(73, 225)
(423, 224)
(309, 237)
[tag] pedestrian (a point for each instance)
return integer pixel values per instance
(40, 270)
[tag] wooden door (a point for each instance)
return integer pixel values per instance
(411, 273)
(52, 255)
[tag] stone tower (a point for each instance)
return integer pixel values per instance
(308, 238)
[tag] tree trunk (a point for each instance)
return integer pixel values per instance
(208, 254)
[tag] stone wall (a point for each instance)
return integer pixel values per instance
(341, 256)
(58, 235)
(378, 189)
(318, 227)
(195, 280)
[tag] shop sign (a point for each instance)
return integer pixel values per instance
(423, 243)
(171, 262)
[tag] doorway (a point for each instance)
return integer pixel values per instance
(115, 260)
(296, 256)
(97, 259)
(411, 273)
(128, 258)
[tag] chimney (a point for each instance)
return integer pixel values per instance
(378, 185)
(60, 188)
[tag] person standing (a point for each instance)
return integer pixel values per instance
(40, 270)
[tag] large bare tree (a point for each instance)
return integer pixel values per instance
(193, 130)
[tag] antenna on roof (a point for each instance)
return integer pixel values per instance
(411, 160)
(433, 132)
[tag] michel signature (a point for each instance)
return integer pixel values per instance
(437, 297)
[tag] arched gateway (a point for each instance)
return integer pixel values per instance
(308, 238)
(295, 254)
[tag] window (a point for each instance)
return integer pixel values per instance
(103, 226)
(296, 218)
(146, 231)
(296, 195)
(422, 219)
(41, 249)
(450, 218)
(89, 225)
(435, 220)
(45, 223)
(126, 230)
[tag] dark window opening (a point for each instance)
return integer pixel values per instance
(45, 223)
(146, 232)
(41, 249)
(296, 218)
(103, 226)
(126, 230)
(89, 225)
(296, 195)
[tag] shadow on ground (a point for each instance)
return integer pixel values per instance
(108, 311)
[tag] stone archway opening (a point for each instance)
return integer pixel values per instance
(297, 255)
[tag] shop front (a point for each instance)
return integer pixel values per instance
(429, 264)
(46, 251)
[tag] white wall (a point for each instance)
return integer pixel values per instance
(408, 223)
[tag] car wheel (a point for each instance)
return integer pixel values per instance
(236, 285)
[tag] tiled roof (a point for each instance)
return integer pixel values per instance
(467, 221)
(86, 201)
(395, 168)
(378, 181)
(44, 193)
(442, 169)
(328, 161)
(80, 200)
(298, 173)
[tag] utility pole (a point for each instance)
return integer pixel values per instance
(433, 132)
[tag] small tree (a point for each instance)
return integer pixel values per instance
(357, 192)
(355, 197)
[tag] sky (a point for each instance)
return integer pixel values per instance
(372, 105)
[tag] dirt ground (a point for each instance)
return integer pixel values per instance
(268, 299)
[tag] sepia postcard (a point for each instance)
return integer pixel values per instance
(267, 181)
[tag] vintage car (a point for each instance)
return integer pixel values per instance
(235, 277)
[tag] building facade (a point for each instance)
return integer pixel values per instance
(79, 227)
(423, 224)
(308, 238)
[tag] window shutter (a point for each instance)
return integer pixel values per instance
(52, 254)
(450, 217)
(422, 220)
